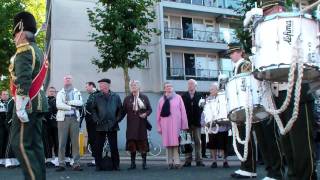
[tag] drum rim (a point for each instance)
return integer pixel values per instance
(242, 108)
(282, 65)
(287, 15)
(240, 75)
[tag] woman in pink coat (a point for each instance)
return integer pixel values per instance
(171, 119)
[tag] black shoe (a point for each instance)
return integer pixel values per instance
(170, 166)
(77, 168)
(144, 166)
(116, 169)
(91, 164)
(49, 165)
(98, 168)
(238, 176)
(68, 164)
(187, 164)
(226, 165)
(132, 166)
(60, 169)
(204, 156)
(214, 165)
(200, 164)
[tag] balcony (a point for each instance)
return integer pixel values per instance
(229, 4)
(197, 74)
(193, 35)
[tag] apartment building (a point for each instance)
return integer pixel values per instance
(194, 36)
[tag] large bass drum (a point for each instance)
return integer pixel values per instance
(242, 91)
(276, 45)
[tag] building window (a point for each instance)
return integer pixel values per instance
(187, 27)
(189, 61)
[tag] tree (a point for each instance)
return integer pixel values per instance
(8, 9)
(38, 9)
(121, 31)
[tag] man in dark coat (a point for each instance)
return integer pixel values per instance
(106, 112)
(191, 103)
(90, 124)
(51, 128)
(3, 130)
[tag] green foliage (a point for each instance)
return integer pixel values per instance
(8, 9)
(122, 29)
(244, 35)
(38, 9)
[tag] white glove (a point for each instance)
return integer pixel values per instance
(202, 102)
(21, 103)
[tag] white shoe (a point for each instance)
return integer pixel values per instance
(55, 161)
(15, 162)
(8, 163)
(71, 162)
(268, 178)
(93, 162)
(3, 161)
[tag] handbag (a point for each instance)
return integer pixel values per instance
(185, 142)
(185, 138)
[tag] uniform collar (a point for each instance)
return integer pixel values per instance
(237, 64)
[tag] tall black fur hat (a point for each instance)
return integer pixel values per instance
(26, 21)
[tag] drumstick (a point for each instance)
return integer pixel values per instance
(310, 7)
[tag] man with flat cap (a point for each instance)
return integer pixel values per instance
(28, 69)
(107, 113)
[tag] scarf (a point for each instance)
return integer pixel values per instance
(138, 103)
(165, 111)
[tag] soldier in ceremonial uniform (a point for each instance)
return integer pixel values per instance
(264, 131)
(28, 70)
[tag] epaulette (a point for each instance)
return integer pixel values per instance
(246, 66)
(26, 47)
(23, 47)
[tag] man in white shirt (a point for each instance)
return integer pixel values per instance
(68, 101)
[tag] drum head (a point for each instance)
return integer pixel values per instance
(279, 73)
(239, 115)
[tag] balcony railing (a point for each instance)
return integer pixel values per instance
(194, 35)
(197, 74)
(230, 4)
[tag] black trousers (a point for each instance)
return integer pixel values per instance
(3, 140)
(113, 142)
(298, 144)
(52, 134)
(250, 164)
(203, 144)
(270, 148)
(91, 129)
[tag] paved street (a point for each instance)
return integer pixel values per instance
(157, 170)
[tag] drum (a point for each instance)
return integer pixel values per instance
(243, 90)
(221, 115)
(215, 110)
(276, 40)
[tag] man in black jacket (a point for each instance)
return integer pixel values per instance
(191, 101)
(3, 130)
(107, 113)
(51, 128)
(90, 124)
